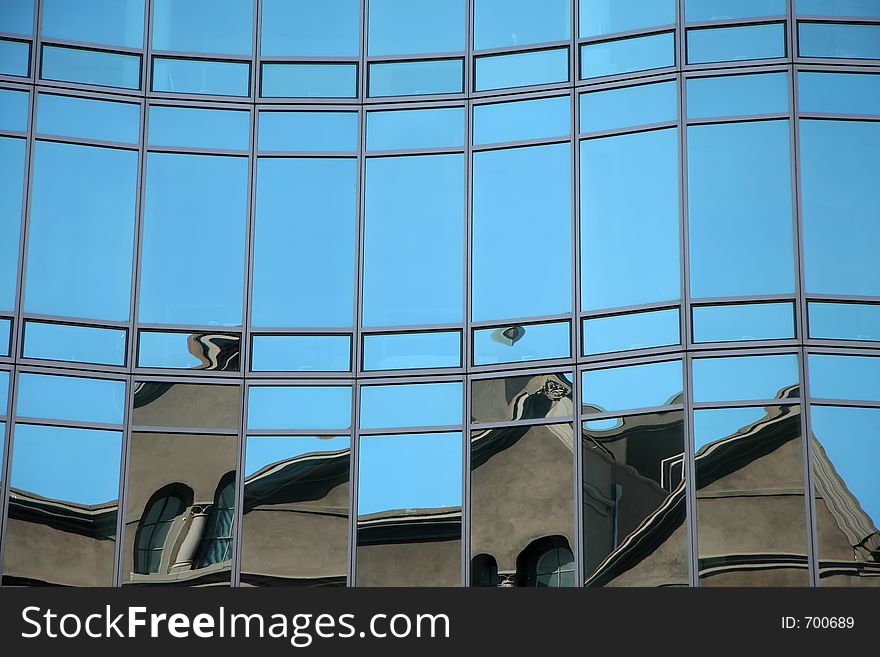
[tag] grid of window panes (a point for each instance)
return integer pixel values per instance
(439, 292)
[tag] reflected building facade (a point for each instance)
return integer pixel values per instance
(520, 293)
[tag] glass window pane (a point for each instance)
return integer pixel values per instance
(844, 377)
(301, 353)
(749, 321)
(598, 17)
(750, 497)
(409, 510)
(82, 227)
(15, 58)
(70, 398)
(110, 22)
(64, 489)
(420, 128)
(201, 77)
(210, 26)
(841, 206)
(411, 405)
(309, 80)
(739, 201)
(504, 23)
(632, 387)
(200, 195)
(195, 127)
(186, 405)
(310, 28)
(295, 524)
(844, 93)
(194, 351)
(627, 55)
(844, 321)
(522, 69)
(80, 344)
(14, 110)
(496, 123)
(746, 377)
(845, 457)
(288, 407)
(88, 118)
(512, 187)
(17, 17)
(12, 155)
(4, 392)
(628, 106)
(528, 397)
(308, 131)
(521, 506)
(839, 40)
(522, 342)
(428, 246)
(442, 76)
(631, 331)
(106, 69)
(405, 351)
(723, 44)
(5, 336)
(735, 95)
(644, 225)
(867, 8)
(403, 27)
(717, 10)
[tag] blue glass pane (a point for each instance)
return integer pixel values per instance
(599, 17)
(193, 127)
(5, 336)
(311, 28)
(845, 321)
(301, 407)
(306, 214)
(749, 321)
(205, 197)
(416, 78)
(211, 26)
(404, 27)
(503, 23)
(414, 240)
(309, 80)
(301, 353)
(4, 391)
(79, 344)
(632, 331)
(308, 131)
(420, 128)
(717, 10)
(14, 110)
(197, 351)
(265, 451)
(844, 377)
(844, 93)
(12, 153)
(525, 119)
(627, 55)
(512, 187)
(841, 206)
(70, 398)
(201, 77)
(718, 423)
(106, 69)
(614, 220)
(411, 405)
(629, 106)
(867, 8)
(404, 351)
(17, 17)
(636, 386)
(110, 22)
(89, 119)
(839, 40)
(15, 58)
(723, 44)
(735, 95)
(739, 195)
(745, 377)
(82, 226)
(76, 466)
(522, 69)
(517, 343)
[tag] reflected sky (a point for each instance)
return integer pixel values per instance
(17, 17)
(844, 377)
(308, 131)
(4, 391)
(510, 344)
(845, 321)
(846, 93)
(756, 321)
(90, 67)
(212, 26)
(263, 451)
(733, 95)
(411, 405)
(631, 331)
(522, 69)
(626, 55)
(715, 424)
(201, 76)
(14, 109)
(70, 398)
(82, 344)
(88, 118)
(525, 119)
(195, 127)
(12, 152)
(404, 27)
(310, 28)
(629, 106)
(111, 22)
(744, 377)
(419, 128)
(298, 353)
(839, 40)
(310, 80)
(502, 23)
(441, 76)
(300, 407)
(637, 386)
(412, 350)
(599, 17)
(716, 10)
(724, 44)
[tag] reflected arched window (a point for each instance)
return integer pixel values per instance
(484, 571)
(549, 562)
(161, 509)
(216, 543)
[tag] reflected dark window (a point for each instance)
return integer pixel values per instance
(216, 545)
(548, 563)
(164, 507)
(484, 571)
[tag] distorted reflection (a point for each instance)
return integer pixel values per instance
(750, 497)
(521, 342)
(522, 514)
(194, 351)
(64, 489)
(295, 524)
(634, 501)
(192, 405)
(409, 510)
(522, 397)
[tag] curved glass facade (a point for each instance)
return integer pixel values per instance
(447, 292)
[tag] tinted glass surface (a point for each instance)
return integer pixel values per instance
(76, 399)
(526, 119)
(88, 118)
(309, 80)
(195, 351)
(598, 17)
(411, 405)
(14, 58)
(846, 93)
(522, 69)
(509, 23)
(632, 387)
(521, 342)
(194, 127)
(12, 154)
(17, 17)
(758, 321)
(90, 67)
(111, 22)
(626, 55)
(291, 353)
(403, 27)
(308, 131)
(311, 28)
(844, 377)
(745, 377)
(844, 321)
(723, 44)
(628, 106)
(715, 10)
(839, 40)
(300, 407)
(631, 331)
(412, 350)
(81, 344)
(406, 129)
(734, 95)
(186, 405)
(210, 26)
(201, 76)
(838, 7)
(442, 76)
(14, 110)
